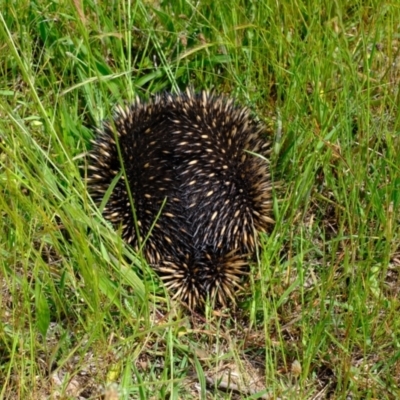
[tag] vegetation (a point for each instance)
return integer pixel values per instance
(82, 315)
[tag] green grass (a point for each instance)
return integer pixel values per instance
(81, 314)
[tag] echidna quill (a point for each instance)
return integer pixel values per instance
(196, 166)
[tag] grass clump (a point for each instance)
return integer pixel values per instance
(82, 315)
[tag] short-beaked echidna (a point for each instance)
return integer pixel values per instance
(198, 174)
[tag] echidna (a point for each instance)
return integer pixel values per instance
(197, 172)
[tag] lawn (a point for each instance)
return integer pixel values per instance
(84, 317)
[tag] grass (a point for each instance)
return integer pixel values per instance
(82, 315)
